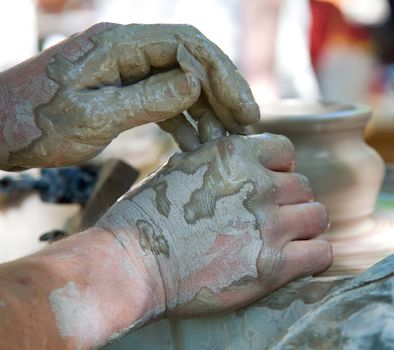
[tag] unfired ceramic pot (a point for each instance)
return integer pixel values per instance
(345, 174)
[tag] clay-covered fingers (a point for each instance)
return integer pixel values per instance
(210, 128)
(209, 125)
(154, 99)
(182, 131)
(291, 188)
(226, 90)
(275, 152)
(229, 87)
(302, 221)
(163, 45)
(306, 258)
(185, 134)
(133, 52)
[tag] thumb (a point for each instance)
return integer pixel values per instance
(164, 95)
(159, 97)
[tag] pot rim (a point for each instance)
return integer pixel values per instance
(296, 114)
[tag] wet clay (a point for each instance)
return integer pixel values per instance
(207, 225)
(151, 239)
(66, 104)
(358, 315)
(182, 277)
(67, 303)
(198, 215)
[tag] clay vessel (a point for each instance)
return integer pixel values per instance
(345, 173)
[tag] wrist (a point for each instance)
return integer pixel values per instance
(103, 287)
(137, 252)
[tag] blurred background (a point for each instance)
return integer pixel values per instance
(330, 49)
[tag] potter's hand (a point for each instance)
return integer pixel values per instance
(222, 226)
(65, 105)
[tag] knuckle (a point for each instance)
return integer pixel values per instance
(271, 136)
(279, 141)
(283, 140)
(188, 28)
(232, 145)
(286, 143)
(237, 140)
(266, 136)
(101, 26)
(226, 147)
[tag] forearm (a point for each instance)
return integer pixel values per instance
(78, 293)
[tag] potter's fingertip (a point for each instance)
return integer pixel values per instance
(247, 114)
(186, 85)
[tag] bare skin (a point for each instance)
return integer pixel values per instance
(66, 104)
(212, 230)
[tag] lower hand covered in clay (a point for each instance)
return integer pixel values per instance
(66, 104)
(221, 226)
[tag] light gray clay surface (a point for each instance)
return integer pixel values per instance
(359, 315)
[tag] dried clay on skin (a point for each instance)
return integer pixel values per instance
(199, 219)
(77, 313)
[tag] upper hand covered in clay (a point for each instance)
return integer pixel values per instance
(221, 226)
(66, 104)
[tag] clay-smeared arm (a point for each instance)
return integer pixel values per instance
(77, 294)
(66, 104)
